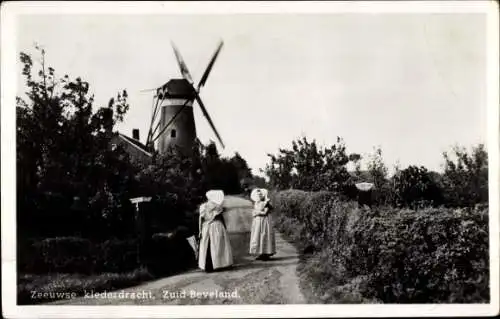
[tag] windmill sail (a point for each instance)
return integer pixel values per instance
(185, 73)
(182, 65)
(205, 113)
(153, 118)
(204, 78)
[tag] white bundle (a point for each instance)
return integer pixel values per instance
(364, 186)
(194, 244)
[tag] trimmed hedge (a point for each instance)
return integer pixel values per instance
(432, 255)
(161, 255)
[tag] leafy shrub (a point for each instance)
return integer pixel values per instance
(433, 255)
(290, 223)
(387, 254)
(64, 254)
(116, 256)
(465, 177)
(290, 202)
(322, 215)
(414, 187)
(82, 256)
(165, 256)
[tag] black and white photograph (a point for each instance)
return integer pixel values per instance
(315, 157)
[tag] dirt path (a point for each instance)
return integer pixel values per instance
(248, 282)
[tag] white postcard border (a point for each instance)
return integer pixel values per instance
(11, 10)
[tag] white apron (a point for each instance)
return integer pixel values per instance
(262, 239)
(215, 236)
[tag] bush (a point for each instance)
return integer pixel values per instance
(165, 256)
(414, 187)
(433, 255)
(466, 176)
(63, 254)
(290, 202)
(387, 254)
(321, 215)
(117, 256)
(76, 255)
(82, 256)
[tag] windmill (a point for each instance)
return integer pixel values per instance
(173, 102)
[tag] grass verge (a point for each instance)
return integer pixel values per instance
(43, 288)
(317, 280)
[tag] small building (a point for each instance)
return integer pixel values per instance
(365, 193)
(138, 152)
(364, 189)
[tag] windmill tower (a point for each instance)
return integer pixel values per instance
(174, 103)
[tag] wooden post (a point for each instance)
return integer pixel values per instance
(142, 227)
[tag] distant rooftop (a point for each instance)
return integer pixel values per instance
(136, 143)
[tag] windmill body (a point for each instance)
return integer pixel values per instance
(173, 102)
(181, 130)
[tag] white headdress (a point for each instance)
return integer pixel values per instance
(264, 193)
(215, 196)
(257, 193)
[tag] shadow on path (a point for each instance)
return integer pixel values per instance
(240, 244)
(262, 265)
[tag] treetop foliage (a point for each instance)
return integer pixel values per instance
(310, 167)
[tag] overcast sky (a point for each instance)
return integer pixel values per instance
(413, 84)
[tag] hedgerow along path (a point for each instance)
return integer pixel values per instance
(256, 282)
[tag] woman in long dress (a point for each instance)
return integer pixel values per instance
(262, 239)
(215, 248)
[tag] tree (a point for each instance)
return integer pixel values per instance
(356, 159)
(62, 146)
(310, 167)
(415, 187)
(258, 181)
(466, 176)
(377, 169)
(176, 184)
(241, 165)
(222, 173)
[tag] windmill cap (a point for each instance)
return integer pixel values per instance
(179, 87)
